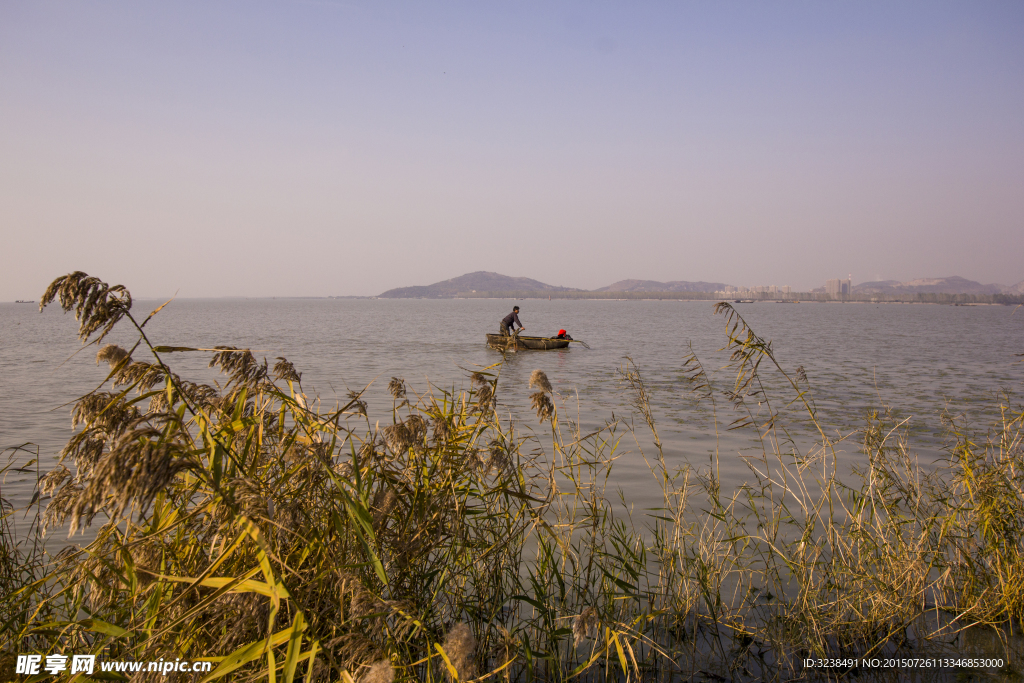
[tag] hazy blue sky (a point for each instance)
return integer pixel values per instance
(321, 148)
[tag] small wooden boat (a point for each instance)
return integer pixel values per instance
(533, 343)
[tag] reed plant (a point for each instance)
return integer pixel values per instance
(281, 538)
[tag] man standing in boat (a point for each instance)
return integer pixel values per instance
(509, 322)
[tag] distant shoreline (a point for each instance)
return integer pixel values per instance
(801, 297)
(796, 298)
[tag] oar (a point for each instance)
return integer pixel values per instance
(580, 341)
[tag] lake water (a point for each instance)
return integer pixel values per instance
(921, 359)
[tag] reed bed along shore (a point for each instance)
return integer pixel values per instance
(282, 539)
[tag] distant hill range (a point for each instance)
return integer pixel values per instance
(939, 285)
(494, 284)
(655, 286)
(471, 283)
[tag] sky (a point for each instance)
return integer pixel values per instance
(324, 148)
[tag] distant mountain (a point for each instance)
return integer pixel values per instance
(874, 287)
(655, 286)
(940, 285)
(1017, 289)
(480, 281)
(487, 283)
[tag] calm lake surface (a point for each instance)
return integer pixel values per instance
(923, 360)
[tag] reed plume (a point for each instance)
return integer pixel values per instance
(485, 397)
(584, 626)
(460, 647)
(98, 307)
(284, 370)
(112, 354)
(397, 437)
(396, 387)
(441, 429)
(379, 672)
(138, 466)
(540, 380)
(240, 366)
(542, 404)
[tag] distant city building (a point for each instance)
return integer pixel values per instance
(838, 288)
(729, 289)
(786, 289)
